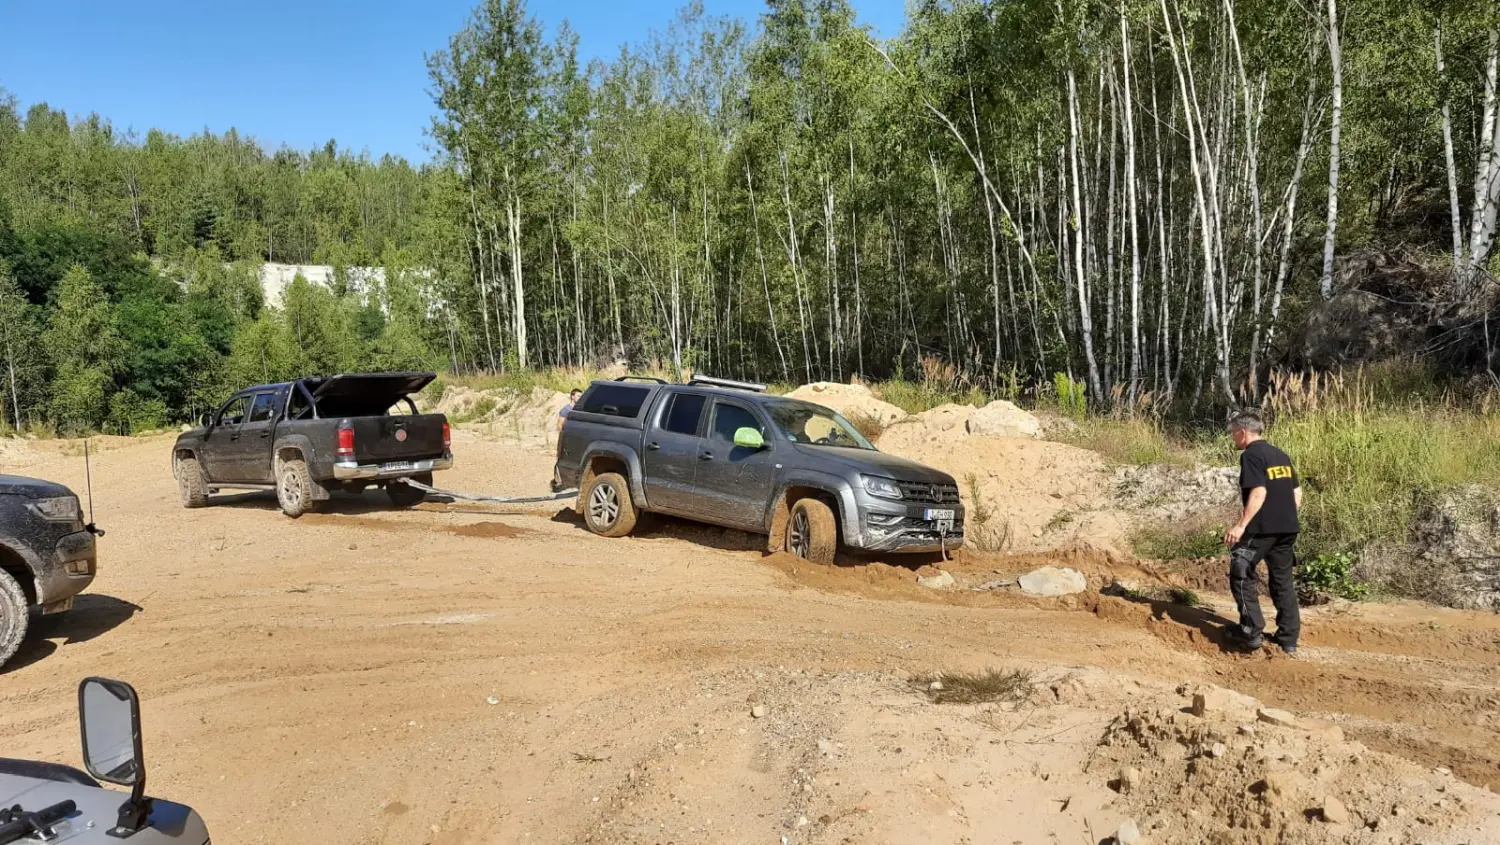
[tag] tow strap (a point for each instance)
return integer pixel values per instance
(476, 497)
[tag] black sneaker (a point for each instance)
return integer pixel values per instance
(1289, 650)
(1237, 637)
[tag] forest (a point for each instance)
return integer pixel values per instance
(1147, 196)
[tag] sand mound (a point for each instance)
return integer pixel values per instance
(504, 413)
(1241, 773)
(854, 401)
(1031, 494)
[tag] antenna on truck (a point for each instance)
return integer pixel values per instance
(88, 481)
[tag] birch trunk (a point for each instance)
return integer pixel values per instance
(1132, 209)
(1085, 318)
(1336, 60)
(1453, 210)
(765, 279)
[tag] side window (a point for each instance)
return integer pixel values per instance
(297, 405)
(615, 400)
(682, 415)
(730, 418)
(234, 412)
(263, 408)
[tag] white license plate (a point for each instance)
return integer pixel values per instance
(397, 466)
(941, 515)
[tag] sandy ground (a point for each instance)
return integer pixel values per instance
(467, 674)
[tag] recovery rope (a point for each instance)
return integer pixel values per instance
(476, 497)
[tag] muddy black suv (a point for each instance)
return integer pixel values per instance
(728, 453)
(47, 554)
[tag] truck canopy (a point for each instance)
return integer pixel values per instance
(363, 394)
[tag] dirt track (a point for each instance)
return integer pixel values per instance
(331, 679)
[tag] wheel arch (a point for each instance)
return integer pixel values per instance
(19, 563)
(831, 489)
(601, 457)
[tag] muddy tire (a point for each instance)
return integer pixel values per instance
(294, 489)
(811, 531)
(191, 487)
(607, 509)
(14, 616)
(403, 495)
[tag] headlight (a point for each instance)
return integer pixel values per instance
(882, 487)
(61, 509)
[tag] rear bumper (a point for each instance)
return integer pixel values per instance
(351, 471)
(71, 568)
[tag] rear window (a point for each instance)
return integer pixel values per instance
(615, 400)
(683, 414)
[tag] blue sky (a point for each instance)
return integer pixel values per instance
(294, 72)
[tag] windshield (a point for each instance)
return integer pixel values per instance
(818, 426)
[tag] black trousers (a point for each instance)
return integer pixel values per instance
(1279, 553)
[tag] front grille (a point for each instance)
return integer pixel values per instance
(929, 494)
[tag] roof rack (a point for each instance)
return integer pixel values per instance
(653, 379)
(724, 382)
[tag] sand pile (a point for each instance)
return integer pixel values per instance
(504, 413)
(854, 401)
(1021, 493)
(1225, 769)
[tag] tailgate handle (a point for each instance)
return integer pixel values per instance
(611, 409)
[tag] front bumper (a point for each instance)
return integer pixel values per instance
(899, 528)
(351, 471)
(71, 569)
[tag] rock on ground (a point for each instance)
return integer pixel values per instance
(854, 401)
(1053, 581)
(1224, 704)
(1003, 419)
(940, 581)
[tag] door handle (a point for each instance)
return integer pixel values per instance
(705, 456)
(234, 437)
(652, 447)
(265, 434)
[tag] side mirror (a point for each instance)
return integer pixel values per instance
(749, 438)
(207, 420)
(109, 716)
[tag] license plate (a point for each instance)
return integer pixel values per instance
(396, 466)
(939, 514)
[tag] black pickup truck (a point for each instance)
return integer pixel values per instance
(727, 453)
(46, 554)
(311, 436)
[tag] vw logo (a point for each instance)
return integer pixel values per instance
(401, 434)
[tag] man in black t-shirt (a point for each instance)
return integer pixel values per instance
(1271, 496)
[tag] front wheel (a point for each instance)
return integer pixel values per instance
(811, 532)
(403, 495)
(13, 616)
(607, 509)
(190, 485)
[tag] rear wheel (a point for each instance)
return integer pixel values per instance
(13, 616)
(294, 489)
(607, 509)
(811, 532)
(190, 485)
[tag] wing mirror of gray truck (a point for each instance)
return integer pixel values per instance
(207, 420)
(749, 438)
(109, 716)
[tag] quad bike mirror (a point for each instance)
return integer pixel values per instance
(749, 438)
(110, 717)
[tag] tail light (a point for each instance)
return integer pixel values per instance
(447, 436)
(346, 441)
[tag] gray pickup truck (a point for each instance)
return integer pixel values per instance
(727, 453)
(309, 437)
(46, 554)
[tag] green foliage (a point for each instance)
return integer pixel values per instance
(129, 413)
(1179, 542)
(1330, 574)
(1072, 396)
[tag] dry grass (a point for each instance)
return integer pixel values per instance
(989, 686)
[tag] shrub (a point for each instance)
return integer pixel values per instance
(1329, 575)
(1072, 396)
(975, 688)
